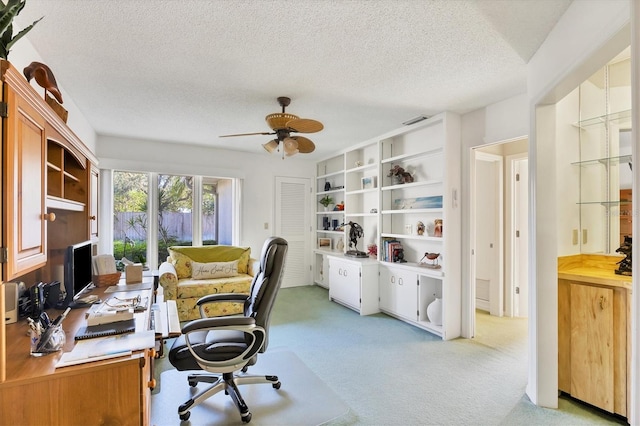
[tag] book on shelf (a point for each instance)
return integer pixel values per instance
(390, 247)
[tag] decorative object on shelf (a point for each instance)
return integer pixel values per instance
(325, 223)
(324, 243)
(434, 311)
(434, 202)
(334, 224)
(369, 182)
(437, 228)
(373, 211)
(7, 13)
(372, 249)
(325, 201)
(398, 255)
(358, 163)
(355, 232)
(44, 77)
(420, 228)
(624, 266)
(283, 124)
(340, 245)
(433, 257)
(339, 207)
(327, 186)
(400, 175)
(338, 187)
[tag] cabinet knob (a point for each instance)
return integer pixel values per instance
(393, 279)
(93, 217)
(602, 300)
(51, 217)
(152, 383)
(400, 282)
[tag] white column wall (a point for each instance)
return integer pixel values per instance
(589, 34)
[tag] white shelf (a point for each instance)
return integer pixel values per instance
(330, 212)
(339, 172)
(331, 191)
(323, 251)
(412, 237)
(361, 191)
(403, 211)
(410, 185)
(413, 266)
(332, 232)
(362, 214)
(362, 168)
(412, 156)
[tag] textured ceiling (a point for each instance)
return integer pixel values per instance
(186, 71)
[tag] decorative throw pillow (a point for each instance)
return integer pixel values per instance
(218, 253)
(203, 271)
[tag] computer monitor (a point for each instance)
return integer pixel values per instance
(77, 271)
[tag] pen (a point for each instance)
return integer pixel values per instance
(59, 320)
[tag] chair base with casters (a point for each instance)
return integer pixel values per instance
(229, 383)
(221, 347)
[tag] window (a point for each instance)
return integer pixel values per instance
(180, 210)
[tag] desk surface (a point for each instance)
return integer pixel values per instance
(22, 366)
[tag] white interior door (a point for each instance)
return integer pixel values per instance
(521, 259)
(488, 233)
(292, 222)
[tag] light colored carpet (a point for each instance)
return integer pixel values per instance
(303, 399)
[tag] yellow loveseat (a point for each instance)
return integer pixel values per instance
(192, 272)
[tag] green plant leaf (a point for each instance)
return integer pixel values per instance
(11, 10)
(22, 33)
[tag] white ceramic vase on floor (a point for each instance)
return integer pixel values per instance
(434, 311)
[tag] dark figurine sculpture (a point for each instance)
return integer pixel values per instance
(355, 232)
(400, 174)
(624, 266)
(44, 77)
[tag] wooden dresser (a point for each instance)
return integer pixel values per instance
(594, 331)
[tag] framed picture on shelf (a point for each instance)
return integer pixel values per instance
(368, 182)
(324, 243)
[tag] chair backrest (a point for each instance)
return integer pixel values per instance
(266, 283)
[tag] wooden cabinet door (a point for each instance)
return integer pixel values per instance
(24, 189)
(592, 346)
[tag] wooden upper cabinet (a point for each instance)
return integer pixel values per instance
(24, 187)
(93, 203)
(45, 174)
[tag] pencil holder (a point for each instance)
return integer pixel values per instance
(47, 341)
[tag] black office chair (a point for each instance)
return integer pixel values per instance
(229, 344)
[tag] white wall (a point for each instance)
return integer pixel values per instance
(20, 56)
(257, 171)
(585, 38)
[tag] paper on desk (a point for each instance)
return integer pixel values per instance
(128, 287)
(107, 347)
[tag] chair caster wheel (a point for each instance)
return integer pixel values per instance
(185, 416)
(276, 385)
(246, 418)
(193, 384)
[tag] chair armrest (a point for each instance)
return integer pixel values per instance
(168, 280)
(244, 324)
(222, 297)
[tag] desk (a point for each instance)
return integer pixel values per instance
(114, 391)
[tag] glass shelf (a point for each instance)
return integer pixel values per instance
(616, 117)
(604, 161)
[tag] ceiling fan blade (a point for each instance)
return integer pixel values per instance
(304, 125)
(248, 134)
(305, 146)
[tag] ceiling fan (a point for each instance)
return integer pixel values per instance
(283, 124)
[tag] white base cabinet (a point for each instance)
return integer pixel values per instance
(353, 282)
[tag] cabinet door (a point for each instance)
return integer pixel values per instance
(24, 202)
(93, 202)
(400, 289)
(592, 358)
(344, 282)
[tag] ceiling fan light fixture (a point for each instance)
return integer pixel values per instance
(270, 146)
(290, 146)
